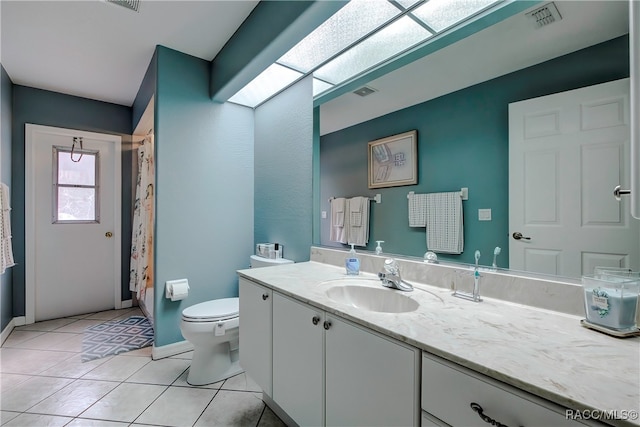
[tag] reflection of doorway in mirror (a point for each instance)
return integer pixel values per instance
(567, 152)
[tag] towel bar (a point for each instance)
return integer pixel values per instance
(464, 193)
(377, 198)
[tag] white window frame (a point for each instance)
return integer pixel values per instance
(57, 150)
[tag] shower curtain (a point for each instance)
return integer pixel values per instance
(141, 273)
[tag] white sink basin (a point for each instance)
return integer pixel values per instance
(361, 294)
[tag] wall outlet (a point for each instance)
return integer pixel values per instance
(484, 214)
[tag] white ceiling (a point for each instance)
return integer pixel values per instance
(101, 51)
(98, 50)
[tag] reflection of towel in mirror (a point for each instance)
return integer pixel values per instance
(417, 210)
(6, 249)
(444, 223)
(338, 230)
(358, 221)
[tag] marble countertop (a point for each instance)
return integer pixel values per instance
(546, 353)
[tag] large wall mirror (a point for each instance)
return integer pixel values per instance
(458, 100)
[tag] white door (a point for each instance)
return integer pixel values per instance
(72, 206)
(567, 152)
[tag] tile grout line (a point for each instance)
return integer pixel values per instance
(241, 385)
(208, 404)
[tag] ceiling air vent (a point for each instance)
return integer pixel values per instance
(364, 91)
(128, 4)
(544, 15)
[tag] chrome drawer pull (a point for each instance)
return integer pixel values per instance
(477, 408)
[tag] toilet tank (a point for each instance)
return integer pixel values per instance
(258, 261)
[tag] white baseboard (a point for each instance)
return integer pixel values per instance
(6, 331)
(16, 321)
(170, 349)
(126, 304)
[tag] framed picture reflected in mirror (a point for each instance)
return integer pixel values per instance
(393, 160)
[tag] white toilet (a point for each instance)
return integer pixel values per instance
(212, 328)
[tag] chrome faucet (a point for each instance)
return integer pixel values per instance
(391, 276)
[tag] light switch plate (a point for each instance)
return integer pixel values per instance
(484, 214)
(324, 214)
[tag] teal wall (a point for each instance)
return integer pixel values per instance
(6, 94)
(462, 142)
(146, 90)
(256, 45)
(47, 108)
(204, 197)
(283, 170)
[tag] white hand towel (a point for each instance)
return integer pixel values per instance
(417, 210)
(358, 221)
(444, 223)
(6, 248)
(339, 222)
(355, 212)
(337, 211)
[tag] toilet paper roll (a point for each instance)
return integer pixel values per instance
(177, 290)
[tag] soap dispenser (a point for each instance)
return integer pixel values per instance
(352, 263)
(379, 248)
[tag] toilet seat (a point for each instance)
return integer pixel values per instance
(212, 311)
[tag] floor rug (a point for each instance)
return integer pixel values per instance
(116, 337)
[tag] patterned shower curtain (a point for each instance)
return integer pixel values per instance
(141, 273)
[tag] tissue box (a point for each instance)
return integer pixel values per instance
(611, 301)
(269, 250)
(263, 249)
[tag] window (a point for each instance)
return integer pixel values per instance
(75, 185)
(361, 36)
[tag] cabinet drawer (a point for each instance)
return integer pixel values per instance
(448, 391)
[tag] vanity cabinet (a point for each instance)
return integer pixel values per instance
(350, 375)
(255, 332)
(326, 370)
(448, 391)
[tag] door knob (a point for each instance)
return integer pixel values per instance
(617, 192)
(518, 236)
(108, 234)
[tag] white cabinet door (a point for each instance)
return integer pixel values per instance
(370, 380)
(298, 368)
(255, 333)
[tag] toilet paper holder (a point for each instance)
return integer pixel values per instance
(176, 290)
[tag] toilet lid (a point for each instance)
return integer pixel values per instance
(217, 309)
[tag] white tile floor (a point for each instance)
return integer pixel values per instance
(43, 382)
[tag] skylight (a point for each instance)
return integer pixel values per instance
(359, 37)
